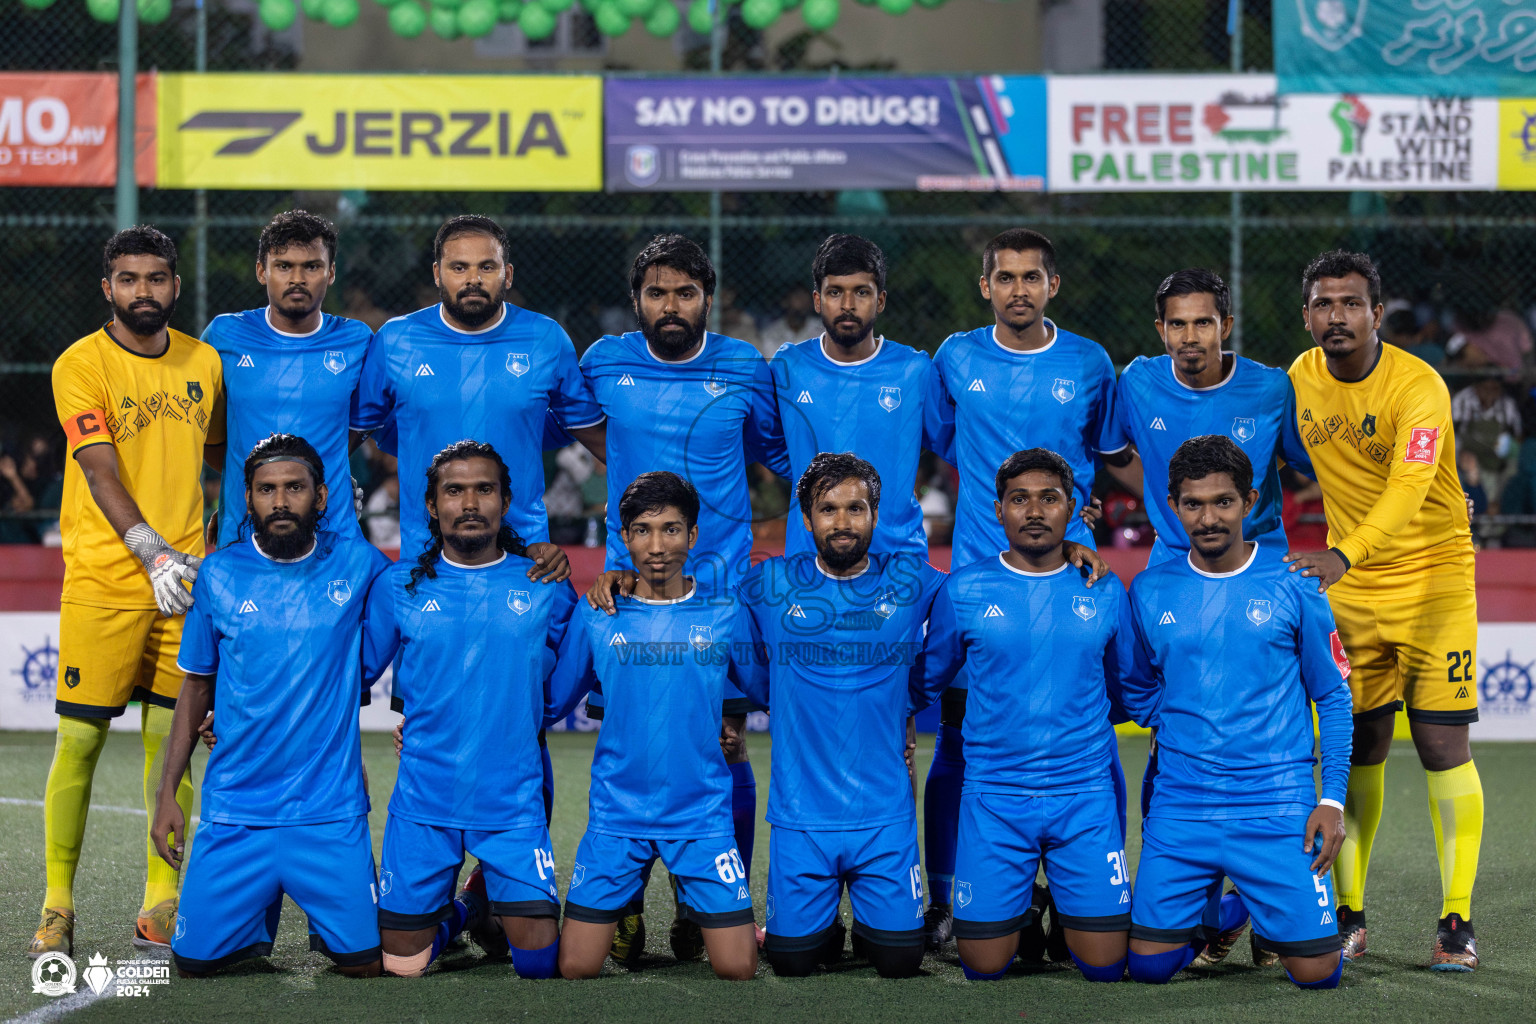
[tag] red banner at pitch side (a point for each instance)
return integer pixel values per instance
(60, 129)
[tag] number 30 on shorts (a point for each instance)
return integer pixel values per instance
(1116, 860)
(728, 864)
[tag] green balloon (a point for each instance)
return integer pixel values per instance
(37, 5)
(339, 13)
(153, 12)
(895, 6)
(477, 18)
(610, 20)
(762, 13)
(664, 19)
(699, 18)
(443, 22)
(102, 10)
(634, 8)
(537, 22)
(820, 15)
(407, 19)
(278, 15)
(557, 6)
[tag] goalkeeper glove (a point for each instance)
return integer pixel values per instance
(166, 566)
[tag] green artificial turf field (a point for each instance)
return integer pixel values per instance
(1390, 985)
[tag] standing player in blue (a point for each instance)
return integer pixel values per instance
(1196, 389)
(1050, 663)
(477, 645)
(844, 625)
(1241, 651)
(701, 405)
(288, 367)
(1020, 383)
(660, 784)
(850, 390)
(276, 632)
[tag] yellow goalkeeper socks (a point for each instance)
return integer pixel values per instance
(66, 800)
(160, 880)
(1362, 815)
(1456, 808)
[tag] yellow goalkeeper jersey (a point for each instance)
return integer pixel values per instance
(158, 412)
(1385, 455)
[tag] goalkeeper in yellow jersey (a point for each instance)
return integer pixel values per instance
(142, 408)
(1399, 574)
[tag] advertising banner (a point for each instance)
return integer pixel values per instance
(1517, 143)
(796, 134)
(1237, 132)
(1415, 47)
(60, 129)
(504, 133)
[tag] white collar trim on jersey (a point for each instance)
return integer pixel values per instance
(1027, 352)
(1025, 572)
(879, 344)
(675, 362)
(844, 579)
(1223, 575)
(472, 568)
(290, 334)
(459, 330)
(285, 561)
(694, 589)
(1228, 379)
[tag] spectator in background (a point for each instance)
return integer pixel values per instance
(30, 482)
(1488, 338)
(1488, 430)
(1519, 499)
(1401, 328)
(792, 326)
(381, 512)
(567, 498)
(1472, 485)
(734, 321)
(358, 304)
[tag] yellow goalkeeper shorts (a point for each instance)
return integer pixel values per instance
(109, 656)
(1420, 652)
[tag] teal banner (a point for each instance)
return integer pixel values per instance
(1417, 47)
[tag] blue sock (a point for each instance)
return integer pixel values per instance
(534, 964)
(1157, 968)
(1332, 981)
(1233, 913)
(978, 976)
(446, 930)
(1117, 779)
(1114, 972)
(549, 784)
(941, 811)
(744, 810)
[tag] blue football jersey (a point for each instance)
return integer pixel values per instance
(1051, 662)
(277, 383)
(885, 409)
(441, 385)
(703, 419)
(284, 641)
(1059, 397)
(658, 771)
(477, 646)
(1255, 406)
(837, 684)
(1239, 658)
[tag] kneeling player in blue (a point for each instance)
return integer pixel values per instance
(843, 627)
(276, 631)
(477, 643)
(660, 784)
(1052, 663)
(1241, 650)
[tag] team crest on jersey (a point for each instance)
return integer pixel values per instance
(71, 677)
(962, 894)
(518, 363)
(1368, 425)
(578, 875)
(890, 399)
(386, 881)
(886, 607)
(334, 361)
(1083, 608)
(1064, 390)
(1258, 612)
(519, 600)
(1243, 428)
(339, 591)
(715, 387)
(195, 390)
(700, 637)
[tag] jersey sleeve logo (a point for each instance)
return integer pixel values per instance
(701, 637)
(890, 399)
(1244, 429)
(335, 361)
(519, 601)
(518, 363)
(339, 591)
(1423, 443)
(1064, 390)
(1339, 657)
(1258, 612)
(1083, 608)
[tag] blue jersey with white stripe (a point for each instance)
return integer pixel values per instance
(1239, 659)
(704, 419)
(1058, 397)
(477, 646)
(278, 383)
(440, 385)
(1051, 662)
(837, 684)
(885, 409)
(284, 643)
(1255, 406)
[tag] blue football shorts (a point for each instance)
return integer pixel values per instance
(711, 879)
(420, 867)
(807, 872)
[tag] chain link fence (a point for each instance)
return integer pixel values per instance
(1451, 260)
